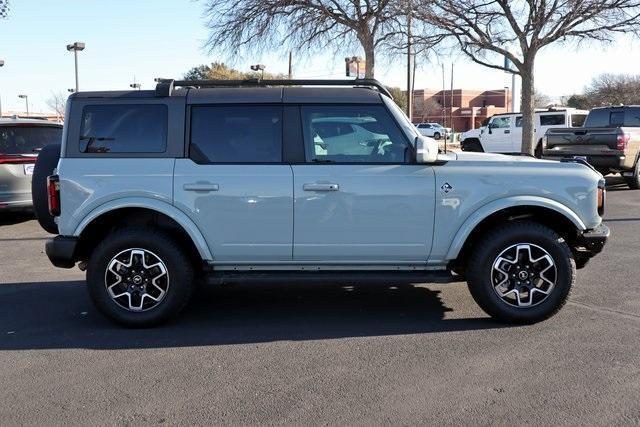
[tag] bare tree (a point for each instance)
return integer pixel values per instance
(258, 24)
(57, 102)
(487, 30)
(541, 100)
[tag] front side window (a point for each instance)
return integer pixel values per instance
(552, 120)
(236, 134)
(352, 134)
(28, 139)
(501, 122)
(124, 128)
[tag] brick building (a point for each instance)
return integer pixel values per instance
(468, 109)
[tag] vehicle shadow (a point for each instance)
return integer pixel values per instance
(58, 315)
(11, 218)
(616, 183)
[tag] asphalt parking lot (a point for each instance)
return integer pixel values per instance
(321, 354)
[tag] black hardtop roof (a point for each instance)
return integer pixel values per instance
(255, 91)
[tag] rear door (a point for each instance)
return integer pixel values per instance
(234, 184)
(359, 198)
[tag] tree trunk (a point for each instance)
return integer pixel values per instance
(527, 106)
(369, 56)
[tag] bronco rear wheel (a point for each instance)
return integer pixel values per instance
(139, 277)
(521, 272)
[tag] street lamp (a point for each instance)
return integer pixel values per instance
(26, 102)
(76, 47)
(1, 65)
(259, 67)
(135, 86)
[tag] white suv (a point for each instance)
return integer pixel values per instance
(434, 130)
(503, 133)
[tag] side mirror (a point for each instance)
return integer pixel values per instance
(489, 128)
(426, 150)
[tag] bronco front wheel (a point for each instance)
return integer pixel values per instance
(521, 272)
(139, 277)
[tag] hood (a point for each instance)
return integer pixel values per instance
(493, 160)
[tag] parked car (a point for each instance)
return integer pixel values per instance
(20, 142)
(504, 131)
(609, 141)
(302, 184)
(433, 130)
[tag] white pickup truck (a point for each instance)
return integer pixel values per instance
(503, 133)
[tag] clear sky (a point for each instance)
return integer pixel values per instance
(153, 38)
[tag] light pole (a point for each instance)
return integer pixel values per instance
(26, 102)
(259, 67)
(506, 98)
(76, 47)
(1, 65)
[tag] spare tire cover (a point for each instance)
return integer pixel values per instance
(45, 164)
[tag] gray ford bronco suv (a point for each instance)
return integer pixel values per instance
(153, 192)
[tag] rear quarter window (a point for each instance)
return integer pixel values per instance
(124, 128)
(552, 120)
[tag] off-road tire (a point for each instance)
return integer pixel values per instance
(474, 146)
(45, 164)
(634, 181)
(486, 251)
(180, 273)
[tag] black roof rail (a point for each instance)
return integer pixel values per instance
(165, 86)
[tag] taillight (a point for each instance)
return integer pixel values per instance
(602, 196)
(53, 194)
(622, 141)
(15, 160)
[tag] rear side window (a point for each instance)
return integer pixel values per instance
(236, 134)
(124, 128)
(552, 120)
(26, 139)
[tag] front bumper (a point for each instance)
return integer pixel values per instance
(61, 251)
(593, 241)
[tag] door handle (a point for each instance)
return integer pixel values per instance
(507, 131)
(320, 187)
(200, 186)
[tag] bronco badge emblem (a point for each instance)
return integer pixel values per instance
(446, 188)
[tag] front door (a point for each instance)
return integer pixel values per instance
(234, 186)
(497, 137)
(358, 197)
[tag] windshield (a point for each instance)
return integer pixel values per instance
(407, 127)
(27, 139)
